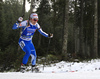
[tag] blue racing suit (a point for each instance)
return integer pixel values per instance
(25, 40)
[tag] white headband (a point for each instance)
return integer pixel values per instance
(34, 15)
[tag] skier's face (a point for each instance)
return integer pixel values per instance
(34, 21)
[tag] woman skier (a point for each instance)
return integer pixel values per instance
(25, 41)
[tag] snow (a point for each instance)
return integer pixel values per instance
(70, 75)
(61, 70)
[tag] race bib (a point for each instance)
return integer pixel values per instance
(22, 44)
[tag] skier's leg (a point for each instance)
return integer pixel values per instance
(33, 59)
(27, 55)
(33, 54)
(25, 47)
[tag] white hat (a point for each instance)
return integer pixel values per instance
(34, 15)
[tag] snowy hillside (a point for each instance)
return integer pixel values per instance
(61, 70)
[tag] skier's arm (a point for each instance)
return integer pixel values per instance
(42, 32)
(19, 25)
(45, 34)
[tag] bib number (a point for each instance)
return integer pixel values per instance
(22, 44)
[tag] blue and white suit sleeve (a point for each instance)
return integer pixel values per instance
(20, 25)
(41, 31)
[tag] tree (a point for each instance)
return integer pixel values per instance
(1, 4)
(96, 29)
(65, 37)
(81, 27)
(23, 8)
(75, 30)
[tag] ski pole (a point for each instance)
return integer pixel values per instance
(46, 58)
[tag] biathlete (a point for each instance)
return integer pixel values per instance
(25, 41)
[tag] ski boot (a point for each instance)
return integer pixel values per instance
(34, 69)
(23, 68)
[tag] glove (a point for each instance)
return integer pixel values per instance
(20, 19)
(50, 35)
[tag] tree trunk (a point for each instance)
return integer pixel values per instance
(23, 10)
(81, 36)
(75, 30)
(54, 27)
(31, 6)
(65, 37)
(96, 29)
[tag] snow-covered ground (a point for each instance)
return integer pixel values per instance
(70, 75)
(61, 70)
